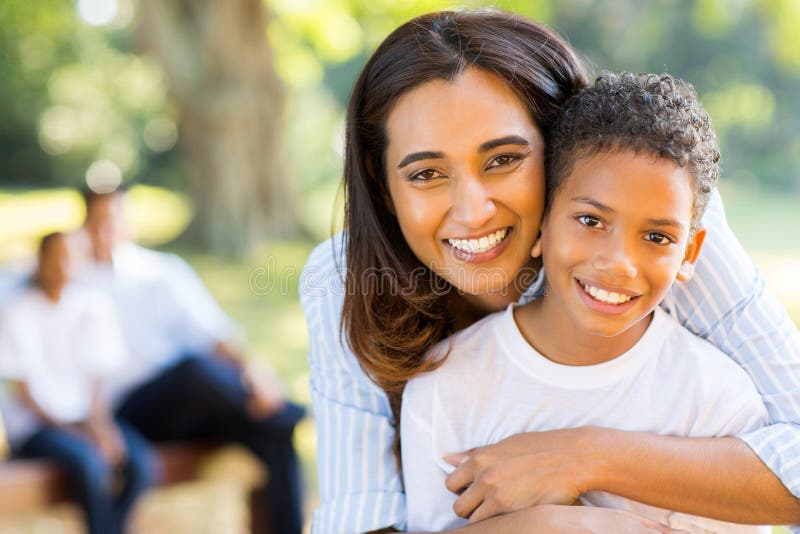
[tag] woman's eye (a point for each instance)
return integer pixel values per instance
(590, 221)
(658, 238)
(502, 160)
(425, 175)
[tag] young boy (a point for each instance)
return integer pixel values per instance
(57, 342)
(630, 168)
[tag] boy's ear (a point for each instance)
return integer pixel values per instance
(692, 253)
(536, 251)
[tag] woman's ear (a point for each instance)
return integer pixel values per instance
(693, 247)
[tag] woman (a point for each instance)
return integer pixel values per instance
(444, 194)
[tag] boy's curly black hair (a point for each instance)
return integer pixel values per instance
(646, 113)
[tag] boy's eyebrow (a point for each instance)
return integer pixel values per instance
(417, 156)
(665, 222)
(653, 222)
(592, 202)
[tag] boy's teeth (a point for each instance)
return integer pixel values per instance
(476, 246)
(602, 295)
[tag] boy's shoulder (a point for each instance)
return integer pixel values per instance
(694, 360)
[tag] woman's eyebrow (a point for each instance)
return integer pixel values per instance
(502, 141)
(488, 145)
(416, 156)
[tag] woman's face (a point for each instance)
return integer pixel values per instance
(465, 169)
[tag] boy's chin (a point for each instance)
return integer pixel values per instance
(613, 326)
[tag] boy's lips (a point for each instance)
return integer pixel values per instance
(605, 299)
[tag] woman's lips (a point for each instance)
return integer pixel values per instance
(483, 256)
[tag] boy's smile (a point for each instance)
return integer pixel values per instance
(615, 239)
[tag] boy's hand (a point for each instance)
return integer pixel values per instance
(108, 438)
(521, 471)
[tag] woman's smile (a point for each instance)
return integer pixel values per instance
(480, 248)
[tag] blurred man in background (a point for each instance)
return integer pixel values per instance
(186, 377)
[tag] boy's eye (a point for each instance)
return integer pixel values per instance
(425, 175)
(503, 160)
(590, 221)
(658, 238)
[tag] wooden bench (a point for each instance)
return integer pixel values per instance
(30, 485)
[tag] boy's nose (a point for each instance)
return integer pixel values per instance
(472, 205)
(616, 261)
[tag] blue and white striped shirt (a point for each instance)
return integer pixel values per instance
(726, 303)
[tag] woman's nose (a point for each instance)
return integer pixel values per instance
(472, 206)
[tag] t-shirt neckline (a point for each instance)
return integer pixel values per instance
(538, 367)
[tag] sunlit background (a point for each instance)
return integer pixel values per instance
(225, 119)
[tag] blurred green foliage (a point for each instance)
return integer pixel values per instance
(155, 216)
(73, 93)
(742, 55)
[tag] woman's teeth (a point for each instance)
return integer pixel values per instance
(602, 295)
(476, 246)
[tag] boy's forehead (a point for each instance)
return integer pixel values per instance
(625, 179)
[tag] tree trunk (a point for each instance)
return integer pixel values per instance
(218, 64)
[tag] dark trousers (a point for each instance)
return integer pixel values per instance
(204, 398)
(105, 495)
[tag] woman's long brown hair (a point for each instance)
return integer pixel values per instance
(395, 308)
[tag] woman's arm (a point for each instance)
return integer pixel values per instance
(360, 487)
(713, 477)
(725, 478)
(552, 519)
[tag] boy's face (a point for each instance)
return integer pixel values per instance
(55, 265)
(615, 239)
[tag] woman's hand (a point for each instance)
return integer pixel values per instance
(519, 472)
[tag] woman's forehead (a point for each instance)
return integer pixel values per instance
(474, 107)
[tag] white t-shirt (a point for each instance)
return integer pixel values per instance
(494, 385)
(58, 349)
(165, 311)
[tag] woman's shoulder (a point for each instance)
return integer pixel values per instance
(328, 256)
(328, 253)
(325, 269)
